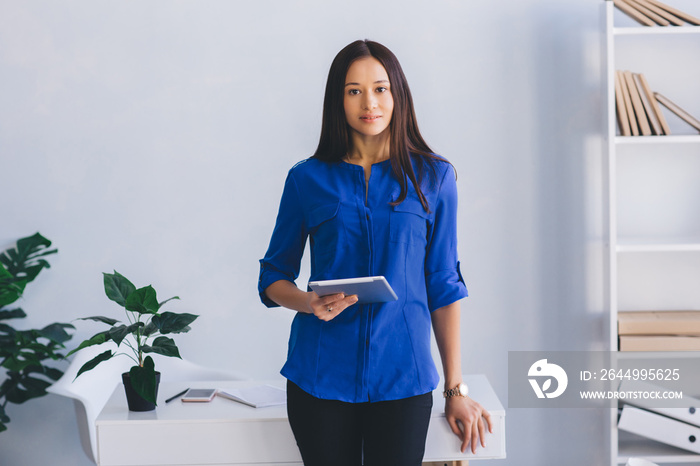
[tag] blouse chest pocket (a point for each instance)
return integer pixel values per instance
(325, 228)
(408, 222)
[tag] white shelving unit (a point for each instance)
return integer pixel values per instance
(653, 194)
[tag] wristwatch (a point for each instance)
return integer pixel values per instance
(459, 390)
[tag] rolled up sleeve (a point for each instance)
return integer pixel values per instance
(283, 258)
(444, 282)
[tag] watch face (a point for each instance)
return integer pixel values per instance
(463, 390)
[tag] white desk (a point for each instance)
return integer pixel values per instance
(224, 432)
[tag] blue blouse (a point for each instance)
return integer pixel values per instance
(369, 352)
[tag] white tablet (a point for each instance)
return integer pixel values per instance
(367, 289)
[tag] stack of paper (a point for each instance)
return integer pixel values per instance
(659, 330)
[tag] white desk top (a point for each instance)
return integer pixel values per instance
(223, 409)
(231, 421)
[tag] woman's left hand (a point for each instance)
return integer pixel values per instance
(466, 418)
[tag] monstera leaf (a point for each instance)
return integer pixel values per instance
(23, 352)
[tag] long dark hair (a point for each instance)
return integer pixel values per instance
(405, 137)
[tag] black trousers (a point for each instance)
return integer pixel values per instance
(336, 433)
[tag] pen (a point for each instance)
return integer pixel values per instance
(176, 396)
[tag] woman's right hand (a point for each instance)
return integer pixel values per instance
(328, 307)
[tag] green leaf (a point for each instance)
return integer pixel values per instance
(143, 301)
(91, 364)
(45, 253)
(97, 339)
(169, 299)
(7, 340)
(119, 333)
(170, 322)
(11, 289)
(118, 287)
(56, 332)
(143, 379)
(104, 320)
(13, 364)
(163, 345)
(53, 373)
(35, 387)
(16, 395)
(30, 272)
(30, 244)
(148, 330)
(12, 314)
(22, 262)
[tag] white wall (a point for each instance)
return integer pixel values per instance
(154, 137)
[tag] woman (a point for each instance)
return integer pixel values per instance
(373, 200)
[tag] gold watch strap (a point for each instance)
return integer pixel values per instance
(451, 392)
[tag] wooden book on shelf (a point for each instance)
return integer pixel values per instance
(658, 19)
(622, 118)
(646, 103)
(687, 117)
(634, 127)
(659, 343)
(639, 112)
(661, 12)
(658, 323)
(633, 13)
(656, 110)
(682, 15)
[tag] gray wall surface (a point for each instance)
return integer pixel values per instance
(154, 138)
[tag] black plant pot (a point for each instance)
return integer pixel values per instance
(135, 401)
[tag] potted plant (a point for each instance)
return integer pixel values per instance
(143, 332)
(24, 353)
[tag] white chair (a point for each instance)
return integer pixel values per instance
(92, 389)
